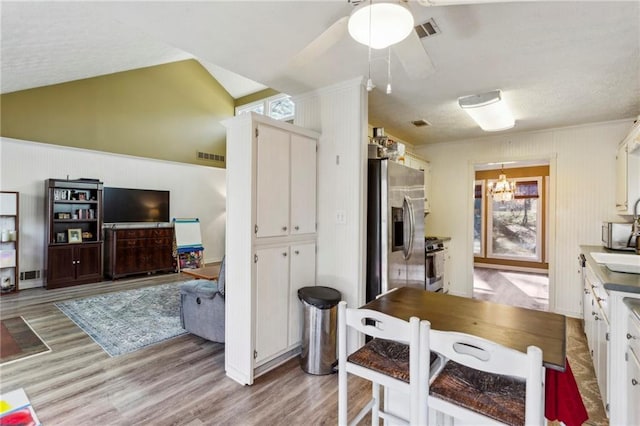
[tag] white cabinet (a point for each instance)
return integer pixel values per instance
(633, 361)
(280, 272)
(596, 317)
(633, 388)
(270, 241)
(302, 274)
(286, 182)
(628, 172)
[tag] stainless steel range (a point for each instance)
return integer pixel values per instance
(434, 263)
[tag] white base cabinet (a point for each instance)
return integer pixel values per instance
(280, 272)
(596, 324)
(270, 241)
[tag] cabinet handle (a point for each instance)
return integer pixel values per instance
(297, 252)
(630, 336)
(296, 227)
(634, 382)
(596, 318)
(284, 228)
(600, 299)
(284, 254)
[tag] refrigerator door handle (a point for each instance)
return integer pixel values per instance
(408, 247)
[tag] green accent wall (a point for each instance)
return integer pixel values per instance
(258, 96)
(166, 112)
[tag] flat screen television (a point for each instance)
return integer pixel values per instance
(125, 205)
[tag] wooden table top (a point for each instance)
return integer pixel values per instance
(205, 273)
(509, 326)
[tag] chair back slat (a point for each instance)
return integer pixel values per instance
(378, 325)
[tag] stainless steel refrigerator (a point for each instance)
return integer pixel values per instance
(395, 227)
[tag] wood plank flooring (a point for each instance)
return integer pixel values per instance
(177, 382)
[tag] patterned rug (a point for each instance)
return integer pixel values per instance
(126, 321)
(582, 367)
(19, 341)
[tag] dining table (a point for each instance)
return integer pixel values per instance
(510, 326)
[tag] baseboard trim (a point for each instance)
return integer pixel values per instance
(511, 268)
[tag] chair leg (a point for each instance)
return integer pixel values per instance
(342, 397)
(375, 409)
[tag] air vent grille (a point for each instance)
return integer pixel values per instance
(427, 29)
(210, 157)
(421, 123)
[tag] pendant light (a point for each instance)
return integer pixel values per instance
(502, 190)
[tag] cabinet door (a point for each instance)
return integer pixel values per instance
(303, 274)
(88, 258)
(633, 388)
(601, 359)
(60, 265)
(622, 201)
(303, 184)
(272, 182)
(272, 294)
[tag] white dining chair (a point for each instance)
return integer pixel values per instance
(483, 382)
(396, 358)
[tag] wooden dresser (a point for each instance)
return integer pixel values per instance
(130, 251)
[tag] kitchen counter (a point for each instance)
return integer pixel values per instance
(612, 281)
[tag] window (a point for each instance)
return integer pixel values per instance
(280, 107)
(514, 228)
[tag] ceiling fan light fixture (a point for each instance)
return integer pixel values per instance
(489, 110)
(380, 24)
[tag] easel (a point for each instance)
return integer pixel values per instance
(188, 249)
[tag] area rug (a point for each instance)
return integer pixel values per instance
(126, 321)
(19, 341)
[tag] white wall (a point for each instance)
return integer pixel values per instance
(584, 176)
(196, 191)
(339, 113)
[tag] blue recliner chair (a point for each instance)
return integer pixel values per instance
(202, 307)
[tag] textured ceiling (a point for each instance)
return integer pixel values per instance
(557, 63)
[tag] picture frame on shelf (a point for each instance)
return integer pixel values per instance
(75, 235)
(61, 237)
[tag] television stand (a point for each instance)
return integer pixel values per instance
(138, 250)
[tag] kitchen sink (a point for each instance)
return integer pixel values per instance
(619, 262)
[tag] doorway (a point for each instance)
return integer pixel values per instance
(510, 236)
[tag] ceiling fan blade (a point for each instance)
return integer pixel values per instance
(413, 57)
(321, 44)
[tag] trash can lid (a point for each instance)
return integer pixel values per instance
(319, 296)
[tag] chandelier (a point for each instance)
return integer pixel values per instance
(502, 190)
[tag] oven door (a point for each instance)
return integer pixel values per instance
(434, 267)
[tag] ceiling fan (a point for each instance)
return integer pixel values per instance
(409, 50)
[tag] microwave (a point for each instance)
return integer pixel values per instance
(615, 236)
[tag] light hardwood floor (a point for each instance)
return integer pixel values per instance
(523, 289)
(177, 382)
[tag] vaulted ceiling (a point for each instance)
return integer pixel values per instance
(557, 63)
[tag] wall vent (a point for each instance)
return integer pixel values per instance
(29, 275)
(210, 157)
(421, 123)
(427, 29)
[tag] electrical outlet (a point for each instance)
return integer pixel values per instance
(341, 217)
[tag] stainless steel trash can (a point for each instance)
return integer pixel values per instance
(319, 330)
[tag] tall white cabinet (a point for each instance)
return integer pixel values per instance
(270, 241)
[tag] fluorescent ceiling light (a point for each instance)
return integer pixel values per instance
(385, 23)
(489, 110)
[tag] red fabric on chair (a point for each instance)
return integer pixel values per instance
(562, 398)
